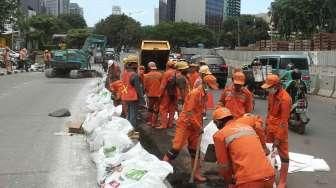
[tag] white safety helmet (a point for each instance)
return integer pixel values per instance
(110, 62)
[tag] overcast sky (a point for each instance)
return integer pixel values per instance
(143, 10)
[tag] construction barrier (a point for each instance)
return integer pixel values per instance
(327, 85)
(315, 84)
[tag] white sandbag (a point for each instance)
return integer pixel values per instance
(97, 119)
(138, 168)
(118, 124)
(320, 165)
(207, 137)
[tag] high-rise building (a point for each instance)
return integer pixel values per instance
(192, 11)
(232, 7)
(167, 10)
(156, 16)
(31, 7)
(214, 14)
(206, 12)
(57, 7)
(74, 8)
(116, 10)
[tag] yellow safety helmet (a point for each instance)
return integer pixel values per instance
(181, 65)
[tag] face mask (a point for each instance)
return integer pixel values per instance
(271, 90)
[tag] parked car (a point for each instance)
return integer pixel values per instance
(277, 64)
(217, 66)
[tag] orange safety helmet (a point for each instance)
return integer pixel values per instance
(220, 113)
(239, 78)
(271, 80)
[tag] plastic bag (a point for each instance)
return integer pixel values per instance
(207, 137)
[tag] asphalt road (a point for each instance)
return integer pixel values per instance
(318, 141)
(30, 154)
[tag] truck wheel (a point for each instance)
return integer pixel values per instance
(75, 74)
(50, 73)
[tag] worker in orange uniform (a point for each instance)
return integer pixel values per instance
(6, 60)
(239, 151)
(113, 82)
(237, 98)
(278, 113)
(188, 129)
(46, 59)
(141, 73)
(152, 82)
(194, 75)
(209, 79)
(168, 96)
(182, 82)
(133, 94)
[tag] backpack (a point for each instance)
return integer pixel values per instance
(171, 87)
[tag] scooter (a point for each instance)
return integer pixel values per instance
(298, 116)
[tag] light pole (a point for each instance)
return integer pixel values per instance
(238, 34)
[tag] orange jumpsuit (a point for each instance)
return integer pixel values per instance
(167, 104)
(6, 60)
(194, 80)
(117, 88)
(152, 82)
(241, 156)
(211, 81)
(238, 103)
(278, 113)
(189, 123)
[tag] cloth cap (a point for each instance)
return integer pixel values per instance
(221, 113)
(271, 80)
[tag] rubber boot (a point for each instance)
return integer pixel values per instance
(166, 158)
(283, 175)
(197, 175)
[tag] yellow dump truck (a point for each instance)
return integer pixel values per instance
(154, 50)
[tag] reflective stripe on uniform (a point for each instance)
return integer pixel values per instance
(241, 132)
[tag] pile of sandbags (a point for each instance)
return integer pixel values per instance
(121, 161)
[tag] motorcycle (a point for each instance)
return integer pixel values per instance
(298, 117)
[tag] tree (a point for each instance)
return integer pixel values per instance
(44, 26)
(76, 37)
(120, 31)
(251, 30)
(304, 16)
(180, 34)
(8, 13)
(76, 21)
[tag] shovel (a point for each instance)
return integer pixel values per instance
(191, 179)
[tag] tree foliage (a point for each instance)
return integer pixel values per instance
(8, 13)
(75, 21)
(251, 29)
(304, 16)
(120, 31)
(76, 37)
(180, 34)
(42, 27)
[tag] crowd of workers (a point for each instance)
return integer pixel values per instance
(22, 61)
(240, 143)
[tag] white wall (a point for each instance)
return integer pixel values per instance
(192, 11)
